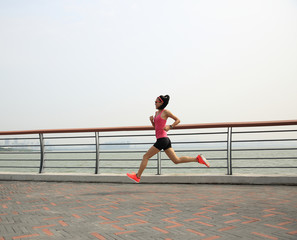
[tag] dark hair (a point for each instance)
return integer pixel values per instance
(165, 100)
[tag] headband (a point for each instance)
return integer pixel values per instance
(161, 100)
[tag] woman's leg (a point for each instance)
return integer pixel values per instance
(150, 153)
(174, 158)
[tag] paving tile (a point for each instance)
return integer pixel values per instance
(49, 210)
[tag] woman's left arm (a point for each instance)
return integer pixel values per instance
(175, 118)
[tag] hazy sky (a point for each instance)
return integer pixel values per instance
(102, 63)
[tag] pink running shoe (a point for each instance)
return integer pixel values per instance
(133, 177)
(202, 160)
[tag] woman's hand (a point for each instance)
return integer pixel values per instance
(166, 128)
(152, 120)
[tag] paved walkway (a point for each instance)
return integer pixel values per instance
(49, 210)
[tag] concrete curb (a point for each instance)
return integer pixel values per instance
(157, 179)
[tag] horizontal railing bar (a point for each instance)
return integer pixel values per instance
(128, 167)
(70, 137)
(93, 159)
(268, 167)
(263, 149)
(18, 152)
(267, 131)
(70, 160)
(48, 152)
(115, 152)
(219, 141)
(200, 150)
(210, 159)
(89, 160)
(192, 168)
(91, 167)
(176, 150)
(200, 133)
(267, 158)
(116, 144)
(18, 160)
(8, 139)
(100, 167)
(18, 167)
(125, 160)
(67, 145)
(142, 143)
(77, 130)
(12, 146)
(143, 128)
(153, 135)
(265, 140)
(120, 136)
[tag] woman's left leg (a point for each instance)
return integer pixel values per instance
(150, 153)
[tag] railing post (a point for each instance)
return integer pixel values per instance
(97, 152)
(41, 153)
(159, 167)
(229, 151)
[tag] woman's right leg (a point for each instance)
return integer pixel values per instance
(174, 158)
(150, 153)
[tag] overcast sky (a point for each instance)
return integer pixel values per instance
(102, 63)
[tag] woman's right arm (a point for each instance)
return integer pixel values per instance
(152, 120)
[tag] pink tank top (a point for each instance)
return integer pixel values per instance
(160, 123)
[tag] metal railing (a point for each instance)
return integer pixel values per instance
(244, 147)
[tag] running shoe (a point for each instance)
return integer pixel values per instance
(133, 177)
(202, 160)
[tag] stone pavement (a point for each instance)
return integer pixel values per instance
(51, 210)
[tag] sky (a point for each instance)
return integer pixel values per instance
(102, 63)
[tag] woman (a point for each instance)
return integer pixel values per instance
(163, 142)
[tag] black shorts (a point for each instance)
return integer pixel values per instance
(163, 143)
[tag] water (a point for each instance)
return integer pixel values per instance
(119, 162)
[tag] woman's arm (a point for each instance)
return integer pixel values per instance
(175, 118)
(152, 120)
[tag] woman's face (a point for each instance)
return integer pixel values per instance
(158, 103)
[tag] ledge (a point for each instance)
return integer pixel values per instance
(155, 179)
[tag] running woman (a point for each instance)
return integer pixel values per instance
(163, 142)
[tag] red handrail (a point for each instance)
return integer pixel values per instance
(140, 128)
